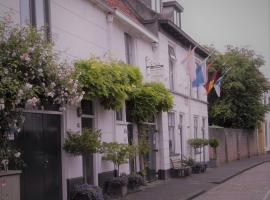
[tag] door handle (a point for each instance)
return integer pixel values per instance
(45, 163)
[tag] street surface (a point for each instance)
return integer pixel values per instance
(253, 184)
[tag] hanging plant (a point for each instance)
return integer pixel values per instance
(110, 81)
(149, 99)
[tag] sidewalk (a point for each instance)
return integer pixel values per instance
(192, 186)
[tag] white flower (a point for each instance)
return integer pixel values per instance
(53, 84)
(33, 101)
(20, 93)
(13, 54)
(25, 57)
(50, 94)
(40, 70)
(28, 86)
(17, 154)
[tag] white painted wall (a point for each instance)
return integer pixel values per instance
(81, 30)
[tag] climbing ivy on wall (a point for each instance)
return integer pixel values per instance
(149, 99)
(110, 81)
(113, 82)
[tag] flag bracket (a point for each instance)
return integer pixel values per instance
(154, 66)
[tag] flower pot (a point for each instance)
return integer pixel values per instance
(119, 191)
(196, 169)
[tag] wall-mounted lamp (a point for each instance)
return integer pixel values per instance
(154, 45)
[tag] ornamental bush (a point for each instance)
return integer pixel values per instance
(118, 153)
(196, 143)
(214, 143)
(86, 143)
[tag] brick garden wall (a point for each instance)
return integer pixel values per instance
(234, 144)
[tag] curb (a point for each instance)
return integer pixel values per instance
(194, 195)
(239, 172)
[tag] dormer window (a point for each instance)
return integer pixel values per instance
(172, 10)
(156, 5)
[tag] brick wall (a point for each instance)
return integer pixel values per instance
(233, 144)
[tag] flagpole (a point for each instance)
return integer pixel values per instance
(189, 110)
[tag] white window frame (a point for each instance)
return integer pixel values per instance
(156, 5)
(129, 48)
(171, 127)
(177, 18)
(195, 126)
(172, 60)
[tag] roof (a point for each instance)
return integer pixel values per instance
(182, 37)
(123, 7)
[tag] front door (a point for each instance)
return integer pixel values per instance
(150, 158)
(40, 141)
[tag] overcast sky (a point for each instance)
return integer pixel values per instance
(236, 22)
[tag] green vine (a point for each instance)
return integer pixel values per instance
(110, 81)
(148, 100)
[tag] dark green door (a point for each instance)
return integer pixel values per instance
(150, 158)
(40, 141)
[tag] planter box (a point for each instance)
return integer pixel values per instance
(132, 189)
(196, 169)
(120, 191)
(10, 185)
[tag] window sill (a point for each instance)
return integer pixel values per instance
(174, 154)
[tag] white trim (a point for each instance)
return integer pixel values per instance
(136, 26)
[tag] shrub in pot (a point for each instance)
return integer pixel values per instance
(87, 192)
(213, 143)
(117, 186)
(118, 154)
(135, 181)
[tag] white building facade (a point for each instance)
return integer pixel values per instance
(144, 33)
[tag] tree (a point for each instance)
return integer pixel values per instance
(118, 153)
(242, 88)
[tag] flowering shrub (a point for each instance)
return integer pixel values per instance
(30, 74)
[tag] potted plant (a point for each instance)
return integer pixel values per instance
(82, 144)
(213, 143)
(134, 182)
(117, 186)
(86, 191)
(118, 154)
(204, 164)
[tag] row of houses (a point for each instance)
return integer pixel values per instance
(144, 33)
